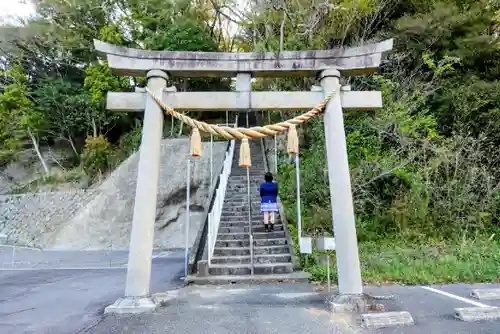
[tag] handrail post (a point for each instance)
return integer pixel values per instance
(250, 237)
(210, 248)
(299, 208)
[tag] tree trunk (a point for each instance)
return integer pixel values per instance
(180, 129)
(94, 127)
(282, 32)
(73, 146)
(172, 122)
(37, 150)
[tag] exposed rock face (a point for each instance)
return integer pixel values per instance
(102, 218)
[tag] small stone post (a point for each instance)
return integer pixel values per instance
(344, 226)
(137, 297)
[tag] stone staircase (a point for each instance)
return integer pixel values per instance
(272, 253)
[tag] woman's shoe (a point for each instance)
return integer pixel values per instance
(272, 227)
(266, 227)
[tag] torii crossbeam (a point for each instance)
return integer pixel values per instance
(326, 65)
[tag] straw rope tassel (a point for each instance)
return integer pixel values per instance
(293, 141)
(245, 159)
(195, 143)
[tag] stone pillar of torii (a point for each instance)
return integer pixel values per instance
(327, 65)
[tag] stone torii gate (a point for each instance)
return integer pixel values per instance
(327, 65)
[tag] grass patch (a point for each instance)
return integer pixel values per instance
(429, 262)
(51, 182)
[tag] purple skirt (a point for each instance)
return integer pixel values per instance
(269, 207)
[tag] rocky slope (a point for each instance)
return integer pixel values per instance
(101, 218)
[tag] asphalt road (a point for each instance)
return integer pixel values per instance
(36, 297)
(295, 308)
(66, 292)
(432, 308)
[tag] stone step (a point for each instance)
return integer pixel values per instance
(243, 215)
(239, 197)
(245, 228)
(256, 162)
(255, 185)
(241, 206)
(243, 192)
(254, 189)
(258, 156)
(245, 269)
(243, 202)
(255, 180)
(295, 277)
(246, 243)
(245, 259)
(242, 224)
(253, 173)
(243, 221)
(239, 251)
(237, 204)
(243, 212)
(256, 216)
(237, 186)
(256, 166)
(253, 169)
(243, 179)
(246, 236)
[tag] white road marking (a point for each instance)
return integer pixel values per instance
(293, 295)
(162, 254)
(62, 268)
(21, 247)
(450, 295)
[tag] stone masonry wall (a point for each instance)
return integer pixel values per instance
(27, 219)
(105, 223)
(102, 218)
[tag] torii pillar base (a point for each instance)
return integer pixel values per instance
(132, 305)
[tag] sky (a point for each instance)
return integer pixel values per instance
(14, 8)
(10, 9)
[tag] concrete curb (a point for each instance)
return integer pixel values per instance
(470, 314)
(386, 319)
(486, 294)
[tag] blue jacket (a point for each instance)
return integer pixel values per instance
(269, 192)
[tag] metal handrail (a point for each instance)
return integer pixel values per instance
(214, 216)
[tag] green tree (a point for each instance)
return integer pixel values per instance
(19, 119)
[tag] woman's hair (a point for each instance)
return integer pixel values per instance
(268, 177)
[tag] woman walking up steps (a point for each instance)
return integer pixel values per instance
(268, 201)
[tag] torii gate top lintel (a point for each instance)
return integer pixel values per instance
(350, 61)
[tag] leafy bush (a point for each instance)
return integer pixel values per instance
(96, 155)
